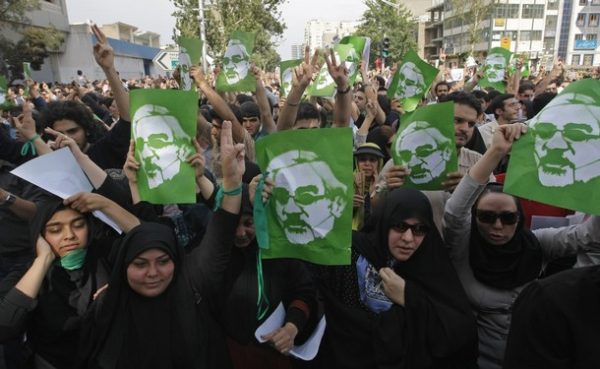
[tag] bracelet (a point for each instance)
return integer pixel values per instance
(222, 192)
(29, 145)
(344, 92)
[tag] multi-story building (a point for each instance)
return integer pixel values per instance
(298, 51)
(321, 34)
(434, 31)
(579, 32)
(127, 32)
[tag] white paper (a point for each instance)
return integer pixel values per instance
(457, 74)
(308, 350)
(59, 174)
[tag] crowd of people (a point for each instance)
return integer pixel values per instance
(437, 279)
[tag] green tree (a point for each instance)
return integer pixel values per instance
(383, 20)
(472, 14)
(225, 16)
(34, 44)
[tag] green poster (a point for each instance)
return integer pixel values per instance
(558, 161)
(190, 53)
(4, 104)
(495, 66)
(324, 85)
(236, 74)
(361, 47)
(309, 214)
(163, 125)
(27, 71)
(426, 145)
(412, 81)
(286, 71)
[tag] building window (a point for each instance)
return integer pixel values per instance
(530, 36)
(591, 36)
(497, 35)
(580, 20)
(583, 2)
(593, 20)
(579, 37)
(533, 11)
(595, 2)
(588, 59)
(506, 11)
(576, 59)
(552, 5)
(549, 43)
(551, 22)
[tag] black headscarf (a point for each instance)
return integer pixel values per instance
(507, 266)
(436, 326)
(127, 330)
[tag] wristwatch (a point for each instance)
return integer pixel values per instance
(8, 200)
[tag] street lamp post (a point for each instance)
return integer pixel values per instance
(393, 5)
(203, 34)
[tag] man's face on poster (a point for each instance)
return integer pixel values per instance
(308, 198)
(410, 81)
(567, 141)
(425, 151)
(286, 80)
(185, 62)
(160, 140)
(235, 62)
(495, 64)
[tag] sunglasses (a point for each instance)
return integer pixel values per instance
(418, 229)
(490, 217)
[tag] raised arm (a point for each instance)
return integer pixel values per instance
(343, 98)
(85, 202)
(105, 57)
(217, 102)
(25, 124)
(557, 70)
(264, 107)
(301, 78)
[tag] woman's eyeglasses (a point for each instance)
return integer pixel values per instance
(418, 229)
(490, 217)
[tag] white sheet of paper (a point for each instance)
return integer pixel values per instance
(457, 74)
(308, 350)
(59, 174)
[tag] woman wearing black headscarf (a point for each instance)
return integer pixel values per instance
(495, 256)
(399, 304)
(158, 307)
(49, 301)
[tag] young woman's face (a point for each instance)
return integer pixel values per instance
(150, 273)
(494, 207)
(405, 238)
(66, 231)
(367, 164)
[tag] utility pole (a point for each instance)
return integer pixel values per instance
(203, 34)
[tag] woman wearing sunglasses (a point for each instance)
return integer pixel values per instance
(494, 254)
(399, 304)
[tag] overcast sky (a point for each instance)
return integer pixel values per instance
(155, 15)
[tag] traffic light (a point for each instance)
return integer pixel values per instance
(385, 47)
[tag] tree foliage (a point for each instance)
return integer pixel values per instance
(382, 20)
(225, 16)
(35, 43)
(472, 13)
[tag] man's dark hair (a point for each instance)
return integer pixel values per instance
(385, 103)
(463, 98)
(540, 101)
(526, 86)
(75, 111)
(250, 109)
(481, 95)
(307, 111)
(361, 88)
(498, 103)
(492, 93)
(241, 98)
(443, 83)
(79, 72)
(381, 81)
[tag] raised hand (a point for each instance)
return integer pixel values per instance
(232, 158)
(452, 180)
(103, 52)
(131, 165)
(339, 73)
(396, 176)
(197, 160)
(393, 285)
(61, 140)
(24, 123)
(43, 249)
(197, 74)
(505, 135)
(85, 202)
(303, 74)
(267, 189)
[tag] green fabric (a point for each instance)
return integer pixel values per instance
(74, 259)
(236, 74)
(29, 146)
(190, 53)
(324, 85)
(163, 125)
(262, 300)
(496, 63)
(221, 193)
(558, 161)
(286, 72)
(309, 215)
(260, 214)
(412, 80)
(26, 75)
(426, 145)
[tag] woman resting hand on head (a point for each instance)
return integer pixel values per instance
(399, 304)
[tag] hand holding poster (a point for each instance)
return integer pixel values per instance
(558, 161)
(324, 85)
(236, 74)
(495, 66)
(309, 213)
(362, 48)
(412, 80)
(190, 53)
(425, 144)
(163, 125)
(286, 71)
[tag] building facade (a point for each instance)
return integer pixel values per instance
(298, 51)
(580, 30)
(320, 34)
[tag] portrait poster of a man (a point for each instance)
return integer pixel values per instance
(495, 65)
(558, 161)
(286, 72)
(190, 53)
(163, 125)
(411, 81)
(309, 213)
(324, 85)
(425, 144)
(236, 74)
